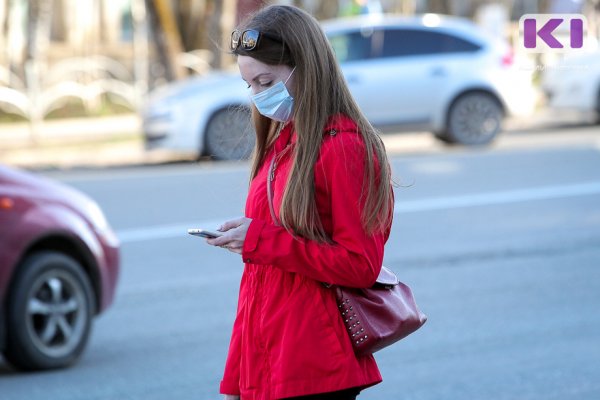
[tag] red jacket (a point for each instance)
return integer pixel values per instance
(288, 337)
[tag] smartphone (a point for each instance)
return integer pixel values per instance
(204, 233)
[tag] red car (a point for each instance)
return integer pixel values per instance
(59, 264)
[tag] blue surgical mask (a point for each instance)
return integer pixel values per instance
(275, 102)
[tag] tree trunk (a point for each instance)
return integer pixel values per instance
(166, 37)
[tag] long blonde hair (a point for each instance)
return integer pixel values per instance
(320, 92)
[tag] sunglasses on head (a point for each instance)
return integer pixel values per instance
(249, 39)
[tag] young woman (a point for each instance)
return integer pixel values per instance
(325, 171)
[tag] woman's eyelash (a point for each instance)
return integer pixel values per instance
(266, 84)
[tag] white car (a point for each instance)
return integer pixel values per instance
(430, 72)
(203, 115)
(574, 84)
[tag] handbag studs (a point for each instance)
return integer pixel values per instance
(347, 311)
(362, 339)
(344, 301)
(358, 333)
(353, 325)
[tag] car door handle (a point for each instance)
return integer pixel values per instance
(438, 71)
(353, 79)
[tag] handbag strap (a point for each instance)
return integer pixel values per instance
(270, 178)
(273, 167)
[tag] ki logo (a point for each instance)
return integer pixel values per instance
(541, 33)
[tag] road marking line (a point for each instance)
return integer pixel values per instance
(166, 231)
(494, 198)
(400, 207)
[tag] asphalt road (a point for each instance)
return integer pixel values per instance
(501, 247)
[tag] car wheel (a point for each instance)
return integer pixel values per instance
(474, 119)
(230, 135)
(50, 309)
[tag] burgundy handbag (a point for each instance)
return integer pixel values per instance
(375, 317)
(379, 316)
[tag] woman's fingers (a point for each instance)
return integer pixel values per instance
(233, 249)
(234, 223)
(220, 241)
(234, 235)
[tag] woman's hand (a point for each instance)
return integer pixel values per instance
(234, 235)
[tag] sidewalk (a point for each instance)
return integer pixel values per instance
(67, 143)
(117, 141)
